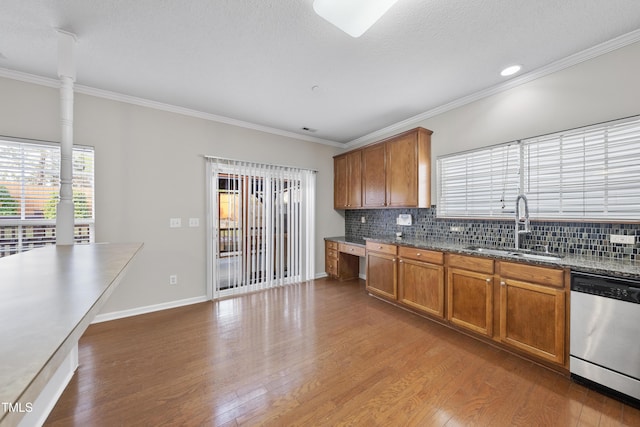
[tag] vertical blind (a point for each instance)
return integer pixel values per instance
(589, 173)
(29, 192)
(261, 226)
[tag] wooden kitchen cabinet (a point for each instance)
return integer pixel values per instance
(421, 280)
(470, 293)
(347, 180)
(408, 169)
(396, 172)
(532, 310)
(382, 270)
(342, 260)
(331, 258)
(373, 177)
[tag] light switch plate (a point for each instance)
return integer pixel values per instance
(175, 222)
(194, 222)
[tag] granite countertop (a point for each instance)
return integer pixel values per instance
(615, 267)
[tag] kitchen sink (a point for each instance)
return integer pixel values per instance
(536, 256)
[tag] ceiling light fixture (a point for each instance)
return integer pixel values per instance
(509, 71)
(354, 17)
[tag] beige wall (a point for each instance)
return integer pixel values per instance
(149, 168)
(604, 88)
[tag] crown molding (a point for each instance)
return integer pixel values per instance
(569, 61)
(128, 99)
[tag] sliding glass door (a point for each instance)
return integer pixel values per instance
(260, 229)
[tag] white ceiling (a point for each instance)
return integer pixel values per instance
(256, 61)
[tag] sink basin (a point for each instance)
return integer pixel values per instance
(536, 256)
(491, 251)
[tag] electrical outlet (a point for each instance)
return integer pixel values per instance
(456, 228)
(173, 279)
(175, 222)
(363, 220)
(622, 239)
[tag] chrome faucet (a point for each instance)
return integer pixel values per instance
(521, 221)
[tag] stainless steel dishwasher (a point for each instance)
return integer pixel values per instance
(605, 334)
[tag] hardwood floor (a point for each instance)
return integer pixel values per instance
(318, 353)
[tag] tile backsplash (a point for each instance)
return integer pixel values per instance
(566, 238)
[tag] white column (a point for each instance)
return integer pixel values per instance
(67, 75)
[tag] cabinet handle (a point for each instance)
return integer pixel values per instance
(418, 254)
(488, 280)
(401, 261)
(394, 260)
(379, 247)
(503, 284)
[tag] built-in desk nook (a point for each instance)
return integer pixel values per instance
(49, 296)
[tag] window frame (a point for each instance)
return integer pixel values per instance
(31, 233)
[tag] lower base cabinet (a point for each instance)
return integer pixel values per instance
(421, 281)
(520, 306)
(470, 293)
(532, 310)
(382, 270)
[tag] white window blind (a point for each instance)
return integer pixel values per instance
(590, 173)
(262, 226)
(29, 187)
(480, 183)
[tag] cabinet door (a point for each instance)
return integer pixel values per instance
(373, 176)
(340, 182)
(470, 300)
(532, 318)
(381, 275)
(421, 286)
(402, 171)
(354, 179)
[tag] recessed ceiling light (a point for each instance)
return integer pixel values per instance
(509, 71)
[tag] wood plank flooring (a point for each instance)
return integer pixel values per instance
(322, 353)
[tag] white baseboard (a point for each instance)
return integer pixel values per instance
(148, 309)
(321, 275)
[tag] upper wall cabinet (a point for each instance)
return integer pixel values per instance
(394, 173)
(347, 181)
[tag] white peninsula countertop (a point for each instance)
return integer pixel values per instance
(48, 297)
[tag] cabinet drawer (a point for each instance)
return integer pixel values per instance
(416, 254)
(332, 267)
(332, 244)
(481, 265)
(533, 274)
(332, 254)
(382, 247)
(351, 249)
